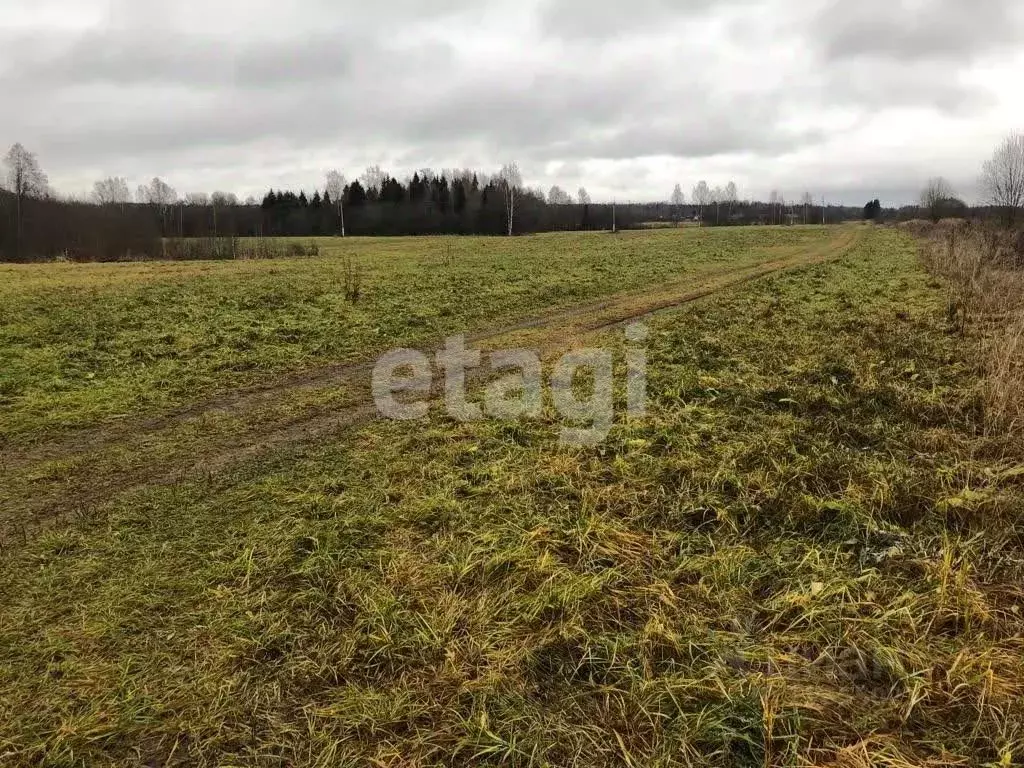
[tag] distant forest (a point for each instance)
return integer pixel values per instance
(115, 225)
(87, 231)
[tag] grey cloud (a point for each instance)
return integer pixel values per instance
(196, 61)
(900, 31)
(100, 56)
(586, 19)
(872, 86)
(459, 82)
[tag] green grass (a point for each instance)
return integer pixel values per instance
(807, 554)
(81, 344)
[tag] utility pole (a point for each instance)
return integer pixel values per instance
(614, 229)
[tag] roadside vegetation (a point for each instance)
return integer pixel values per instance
(808, 554)
(985, 269)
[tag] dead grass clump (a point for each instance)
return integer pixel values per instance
(985, 269)
(353, 281)
(1004, 384)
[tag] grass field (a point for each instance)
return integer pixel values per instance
(84, 343)
(808, 553)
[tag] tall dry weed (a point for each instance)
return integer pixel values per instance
(985, 269)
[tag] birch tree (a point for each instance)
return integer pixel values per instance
(510, 180)
(732, 195)
(701, 195)
(807, 201)
(335, 187)
(25, 179)
(583, 196)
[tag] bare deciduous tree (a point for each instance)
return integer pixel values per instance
(511, 180)
(678, 198)
(718, 197)
(775, 203)
(24, 176)
(373, 179)
(807, 201)
(936, 193)
(335, 187)
(162, 196)
(732, 196)
(221, 200)
(701, 197)
(200, 199)
(111, 191)
(1002, 178)
(26, 179)
(157, 192)
(558, 196)
(224, 199)
(583, 196)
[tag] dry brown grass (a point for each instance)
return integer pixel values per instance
(805, 556)
(985, 269)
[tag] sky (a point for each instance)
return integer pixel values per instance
(847, 99)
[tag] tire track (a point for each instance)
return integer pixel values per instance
(94, 484)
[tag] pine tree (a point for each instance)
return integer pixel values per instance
(460, 196)
(356, 195)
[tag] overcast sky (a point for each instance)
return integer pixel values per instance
(850, 100)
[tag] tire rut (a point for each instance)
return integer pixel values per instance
(86, 490)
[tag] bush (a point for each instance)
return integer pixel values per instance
(232, 248)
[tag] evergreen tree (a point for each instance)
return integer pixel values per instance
(872, 210)
(460, 196)
(356, 195)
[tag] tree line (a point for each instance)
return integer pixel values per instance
(117, 224)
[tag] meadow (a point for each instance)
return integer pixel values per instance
(84, 343)
(806, 554)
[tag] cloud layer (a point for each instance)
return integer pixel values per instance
(846, 100)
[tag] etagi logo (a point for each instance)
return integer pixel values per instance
(581, 386)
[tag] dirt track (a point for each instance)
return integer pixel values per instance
(87, 470)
